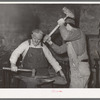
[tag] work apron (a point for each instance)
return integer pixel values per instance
(80, 71)
(35, 59)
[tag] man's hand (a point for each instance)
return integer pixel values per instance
(14, 68)
(62, 74)
(47, 39)
(61, 22)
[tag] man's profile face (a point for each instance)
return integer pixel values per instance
(36, 38)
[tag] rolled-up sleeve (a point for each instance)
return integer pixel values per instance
(16, 53)
(51, 59)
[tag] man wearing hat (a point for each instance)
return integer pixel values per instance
(75, 46)
(35, 56)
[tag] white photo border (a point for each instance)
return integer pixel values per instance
(50, 93)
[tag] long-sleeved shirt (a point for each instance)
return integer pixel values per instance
(23, 48)
(70, 33)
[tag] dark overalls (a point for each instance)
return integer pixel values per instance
(35, 59)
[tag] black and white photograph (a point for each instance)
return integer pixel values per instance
(49, 46)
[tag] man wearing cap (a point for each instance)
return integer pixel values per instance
(75, 46)
(35, 56)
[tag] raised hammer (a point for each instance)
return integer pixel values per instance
(68, 13)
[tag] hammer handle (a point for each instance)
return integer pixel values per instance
(55, 28)
(25, 70)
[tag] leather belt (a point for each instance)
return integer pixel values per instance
(85, 60)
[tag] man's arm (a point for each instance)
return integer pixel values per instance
(52, 61)
(59, 49)
(16, 53)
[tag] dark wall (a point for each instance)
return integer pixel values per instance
(16, 22)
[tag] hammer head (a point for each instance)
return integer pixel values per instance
(68, 12)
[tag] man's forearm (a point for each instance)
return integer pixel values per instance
(59, 49)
